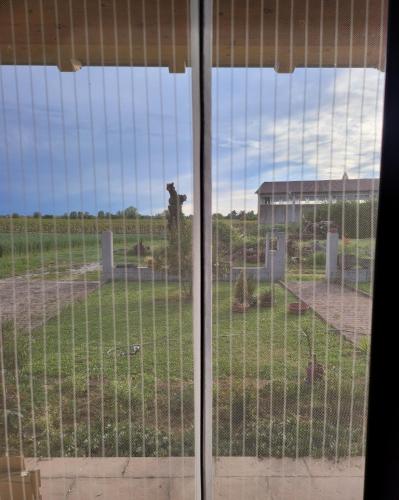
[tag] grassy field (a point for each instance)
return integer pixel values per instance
(53, 255)
(59, 252)
(76, 393)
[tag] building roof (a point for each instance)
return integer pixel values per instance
(322, 186)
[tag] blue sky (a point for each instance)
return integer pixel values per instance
(107, 138)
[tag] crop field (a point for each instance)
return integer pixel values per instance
(78, 226)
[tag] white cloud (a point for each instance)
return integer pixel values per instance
(342, 132)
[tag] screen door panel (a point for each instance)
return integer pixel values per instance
(95, 246)
(297, 114)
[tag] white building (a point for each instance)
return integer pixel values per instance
(281, 202)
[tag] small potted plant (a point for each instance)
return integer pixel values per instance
(298, 307)
(266, 298)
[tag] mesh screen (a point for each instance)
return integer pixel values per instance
(297, 114)
(98, 147)
(95, 245)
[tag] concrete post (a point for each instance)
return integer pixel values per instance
(267, 249)
(107, 247)
(331, 255)
(279, 258)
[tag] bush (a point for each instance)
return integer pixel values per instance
(224, 235)
(359, 218)
(317, 259)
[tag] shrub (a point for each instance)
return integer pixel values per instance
(317, 259)
(244, 289)
(224, 235)
(359, 218)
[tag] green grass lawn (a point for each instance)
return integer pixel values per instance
(53, 255)
(364, 247)
(86, 398)
(366, 287)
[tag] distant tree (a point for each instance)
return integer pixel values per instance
(352, 218)
(243, 215)
(131, 212)
(36, 215)
(73, 215)
(251, 215)
(15, 215)
(101, 214)
(48, 216)
(232, 215)
(160, 215)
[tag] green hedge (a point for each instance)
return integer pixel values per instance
(354, 219)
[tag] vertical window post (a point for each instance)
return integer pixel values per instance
(201, 48)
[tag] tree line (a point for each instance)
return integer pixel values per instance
(129, 213)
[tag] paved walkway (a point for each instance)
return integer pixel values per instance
(344, 309)
(32, 302)
(236, 478)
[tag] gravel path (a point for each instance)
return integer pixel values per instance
(344, 309)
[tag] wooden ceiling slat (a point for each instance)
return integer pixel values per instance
(15, 48)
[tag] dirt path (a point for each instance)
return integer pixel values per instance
(68, 274)
(345, 310)
(32, 302)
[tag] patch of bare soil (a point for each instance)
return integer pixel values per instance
(31, 302)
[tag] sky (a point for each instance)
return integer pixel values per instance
(109, 138)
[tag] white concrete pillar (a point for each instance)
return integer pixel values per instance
(332, 255)
(267, 250)
(279, 257)
(107, 247)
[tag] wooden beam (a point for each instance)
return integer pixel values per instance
(117, 36)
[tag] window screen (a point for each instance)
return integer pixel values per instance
(105, 355)
(297, 114)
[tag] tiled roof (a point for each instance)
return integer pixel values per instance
(323, 186)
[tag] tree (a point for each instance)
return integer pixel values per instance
(354, 219)
(131, 212)
(251, 215)
(232, 215)
(177, 258)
